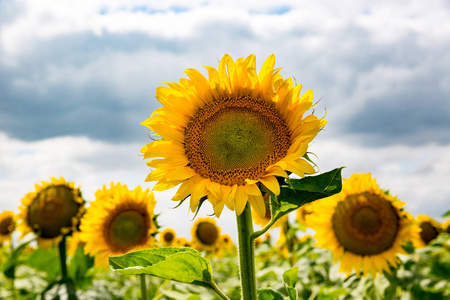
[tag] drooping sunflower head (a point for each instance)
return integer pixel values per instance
(168, 237)
(205, 234)
(52, 211)
(429, 230)
(223, 136)
(363, 225)
(118, 221)
(7, 226)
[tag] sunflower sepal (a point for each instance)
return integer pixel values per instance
(183, 264)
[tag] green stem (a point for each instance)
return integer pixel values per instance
(216, 289)
(246, 254)
(263, 230)
(143, 287)
(71, 292)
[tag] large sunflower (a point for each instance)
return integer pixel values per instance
(52, 211)
(363, 225)
(118, 221)
(205, 234)
(223, 136)
(7, 226)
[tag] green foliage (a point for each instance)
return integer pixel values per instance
(298, 192)
(269, 294)
(179, 264)
(289, 280)
(13, 261)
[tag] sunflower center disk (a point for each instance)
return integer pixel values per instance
(168, 237)
(127, 229)
(428, 233)
(207, 233)
(6, 225)
(52, 210)
(365, 224)
(235, 139)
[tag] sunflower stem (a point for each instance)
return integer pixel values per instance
(246, 254)
(143, 287)
(71, 292)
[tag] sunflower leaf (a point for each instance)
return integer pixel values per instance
(178, 264)
(289, 280)
(447, 214)
(269, 294)
(301, 191)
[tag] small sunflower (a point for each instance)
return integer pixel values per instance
(117, 222)
(205, 234)
(168, 237)
(7, 226)
(52, 211)
(225, 135)
(429, 230)
(363, 225)
(182, 242)
(226, 244)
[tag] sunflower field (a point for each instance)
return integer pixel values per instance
(239, 140)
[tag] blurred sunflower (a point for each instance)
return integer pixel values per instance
(363, 225)
(52, 211)
(429, 230)
(223, 136)
(182, 242)
(446, 226)
(226, 244)
(118, 221)
(168, 237)
(303, 211)
(7, 226)
(205, 234)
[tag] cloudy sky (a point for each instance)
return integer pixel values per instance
(77, 78)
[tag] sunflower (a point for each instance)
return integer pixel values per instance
(168, 237)
(226, 244)
(182, 242)
(225, 136)
(205, 234)
(52, 211)
(363, 225)
(118, 221)
(429, 230)
(7, 226)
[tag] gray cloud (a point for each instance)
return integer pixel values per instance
(103, 85)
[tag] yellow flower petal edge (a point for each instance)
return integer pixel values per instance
(363, 226)
(226, 135)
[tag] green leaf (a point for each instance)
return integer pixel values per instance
(446, 215)
(179, 264)
(269, 294)
(306, 190)
(80, 269)
(9, 267)
(46, 260)
(289, 280)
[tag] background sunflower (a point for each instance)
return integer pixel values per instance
(205, 234)
(7, 226)
(363, 225)
(118, 221)
(52, 211)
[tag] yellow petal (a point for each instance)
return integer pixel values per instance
(271, 183)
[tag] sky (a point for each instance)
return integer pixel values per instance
(78, 77)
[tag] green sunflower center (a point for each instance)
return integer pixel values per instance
(207, 233)
(428, 233)
(6, 225)
(127, 230)
(234, 139)
(53, 209)
(365, 224)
